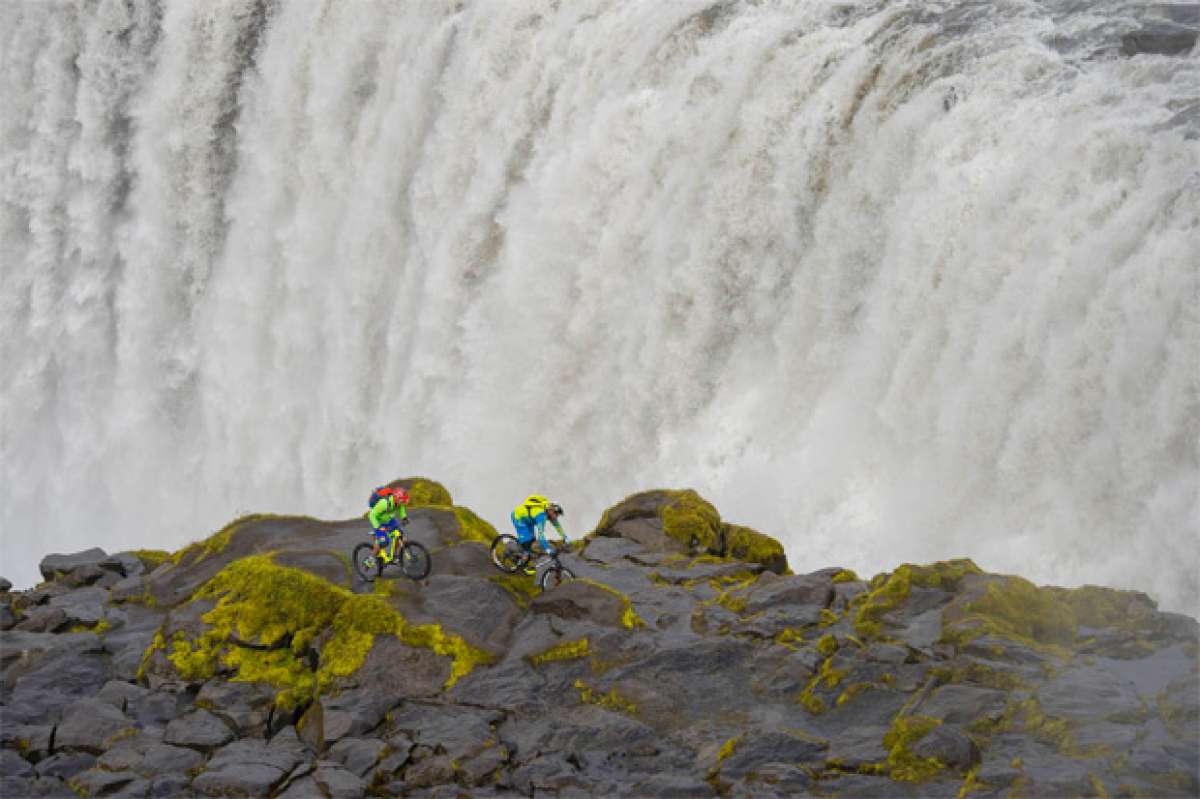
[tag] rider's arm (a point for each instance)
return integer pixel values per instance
(558, 527)
(375, 517)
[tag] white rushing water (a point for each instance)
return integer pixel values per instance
(890, 281)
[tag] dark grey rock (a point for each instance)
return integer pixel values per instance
(339, 783)
(13, 765)
(1082, 693)
(5, 585)
(458, 730)
(756, 749)
(53, 566)
(478, 769)
(198, 730)
(125, 564)
(169, 786)
(84, 575)
(307, 788)
(33, 740)
(948, 745)
(678, 786)
(98, 782)
(64, 765)
(963, 704)
(768, 592)
(23, 787)
(435, 770)
(8, 619)
(43, 620)
(128, 588)
(91, 725)
(244, 706)
(167, 759)
(358, 754)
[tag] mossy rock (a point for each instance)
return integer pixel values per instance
(1012, 608)
(423, 492)
(747, 544)
(682, 521)
(290, 629)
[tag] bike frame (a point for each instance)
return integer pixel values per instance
(388, 553)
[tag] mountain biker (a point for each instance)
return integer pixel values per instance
(388, 515)
(530, 517)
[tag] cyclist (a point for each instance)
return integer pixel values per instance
(530, 517)
(388, 515)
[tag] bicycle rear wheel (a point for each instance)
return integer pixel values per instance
(507, 553)
(414, 561)
(555, 576)
(365, 566)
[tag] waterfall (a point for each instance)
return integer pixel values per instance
(889, 281)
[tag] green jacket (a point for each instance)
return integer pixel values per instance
(385, 510)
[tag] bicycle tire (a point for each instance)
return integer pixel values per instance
(507, 554)
(414, 561)
(555, 576)
(361, 553)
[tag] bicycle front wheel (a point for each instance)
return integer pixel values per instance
(555, 576)
(507, 553)
(414, 561)
(365, 566)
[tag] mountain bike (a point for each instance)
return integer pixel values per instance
(410, 556)
(510, 557)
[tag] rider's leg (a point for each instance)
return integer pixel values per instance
(381, 540)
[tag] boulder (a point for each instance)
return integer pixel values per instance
(754, 750)
(13, 765)
(815, 591)
(950, 746)
(98, 782)
(198, 730)
(54, 566)
(245, 707)
(64, 765)
(581, 600)
(248, 767)
(91, 725)
(338, 783)
(358, 755)
(5, 585)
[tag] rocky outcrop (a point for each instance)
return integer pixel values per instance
(686, 661)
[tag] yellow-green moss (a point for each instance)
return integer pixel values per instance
(845, 576)
(630, 619)
(828, 618)
(902, 763)
(747, 544)
(826, 676)
(286, 609)
(519, 586)
(853, 690)
(827, 644)
(215, 543)
(567, 650)
(1013, 608)
(473, 528)
(971, 783)
(611, 700)
(151, 558)
(99, 628)
(979, 674)
(889, 591)
(423, 492)
(691, 520)
(159, 642)
(727, 749)
(1052, 731)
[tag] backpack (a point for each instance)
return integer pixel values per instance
(399, 494)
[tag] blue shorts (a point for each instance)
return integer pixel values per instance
(525, 529)
(383, 532)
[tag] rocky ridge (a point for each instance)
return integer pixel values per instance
(686, 661)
